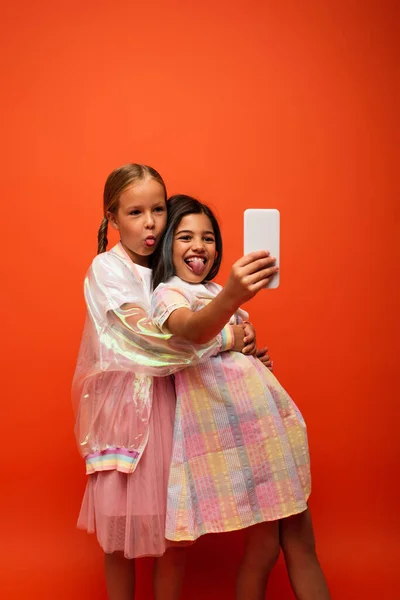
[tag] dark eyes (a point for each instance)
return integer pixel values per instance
(135, 212)
(187, 238)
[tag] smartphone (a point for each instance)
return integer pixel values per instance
(262, 232)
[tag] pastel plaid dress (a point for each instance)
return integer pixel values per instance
(240, 451)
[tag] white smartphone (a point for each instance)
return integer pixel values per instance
(262, 232)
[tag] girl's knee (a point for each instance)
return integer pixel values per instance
(271, 556)
(262, 558)
(263, 546)
(297, 536)
(270, 552)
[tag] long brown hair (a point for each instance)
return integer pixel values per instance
(179, 206)
(116, 183)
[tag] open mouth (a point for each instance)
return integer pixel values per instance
(150, 241)
(196, 264)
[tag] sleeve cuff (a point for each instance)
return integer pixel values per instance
(227, 338)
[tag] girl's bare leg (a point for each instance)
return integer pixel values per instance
(298, 545)
(168, 573)
(261, 554)
(120, 576)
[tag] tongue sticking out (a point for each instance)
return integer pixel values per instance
(196, 265)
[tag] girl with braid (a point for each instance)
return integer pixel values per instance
(123, 393)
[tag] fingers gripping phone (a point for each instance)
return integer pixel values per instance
(262, 232)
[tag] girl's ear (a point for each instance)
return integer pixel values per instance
(112, 219)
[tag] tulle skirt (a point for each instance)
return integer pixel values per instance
(128, 512)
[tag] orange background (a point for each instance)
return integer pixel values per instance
(244, 104)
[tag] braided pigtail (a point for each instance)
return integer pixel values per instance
(102, 240)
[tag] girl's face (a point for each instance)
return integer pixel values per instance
(141, 219)
(193, 249)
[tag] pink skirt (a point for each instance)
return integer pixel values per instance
(128, 512)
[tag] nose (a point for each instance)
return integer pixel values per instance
(198, 245)
(149, 222)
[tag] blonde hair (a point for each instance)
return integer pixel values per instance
(116, 183)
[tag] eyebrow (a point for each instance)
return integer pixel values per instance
(189, 231)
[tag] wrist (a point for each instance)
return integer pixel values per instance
(227, 338)
(229, 300)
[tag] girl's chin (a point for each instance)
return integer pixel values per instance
(146, 250)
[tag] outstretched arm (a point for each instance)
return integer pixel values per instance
(248, 276)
